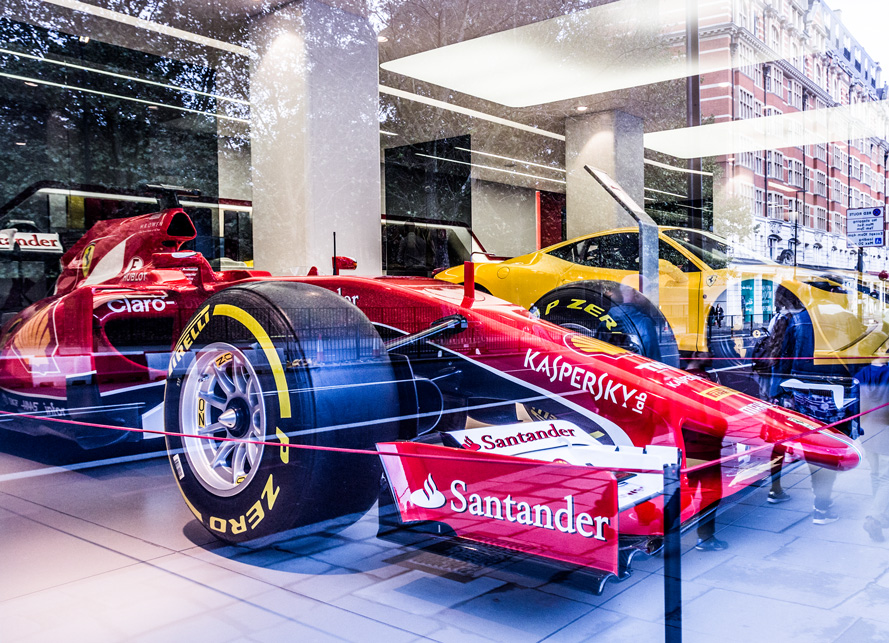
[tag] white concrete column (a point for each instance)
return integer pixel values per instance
(315, 139)
(611, 141)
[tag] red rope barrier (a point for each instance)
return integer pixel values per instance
(310, 447)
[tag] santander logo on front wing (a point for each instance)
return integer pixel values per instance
(565, 518)
(521, 438)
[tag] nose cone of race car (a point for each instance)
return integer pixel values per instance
(810, 439)
(827, 448)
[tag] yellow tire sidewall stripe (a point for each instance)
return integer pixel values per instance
(250, 323)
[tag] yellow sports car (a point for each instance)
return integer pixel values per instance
(713, 297)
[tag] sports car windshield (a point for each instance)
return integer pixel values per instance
(712, 250)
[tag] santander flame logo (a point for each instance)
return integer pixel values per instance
(470, 445)
(429, 497)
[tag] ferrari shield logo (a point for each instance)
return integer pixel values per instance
(86, 260)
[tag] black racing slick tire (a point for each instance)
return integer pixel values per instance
(614, 313)
(278, 363)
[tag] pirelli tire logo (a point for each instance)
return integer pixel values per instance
(593, 310)
(188, 337)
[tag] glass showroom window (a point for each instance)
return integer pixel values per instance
(261, 261)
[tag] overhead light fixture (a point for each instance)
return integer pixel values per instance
(382, 38)
(440, 104)
(84, 39)
(22, 143)
(142, 199)
(681, 196)
(552, 60)
(50, 61)
(508, 158)
(385, 133)
(488, 167)
(810, 127)
(30, 84)
(581, 108)
(152, 107)
(156, 27)
(126, 98)
(673, 168)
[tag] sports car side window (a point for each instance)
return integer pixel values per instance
(671, 254)
(567, 253)
(615, 251)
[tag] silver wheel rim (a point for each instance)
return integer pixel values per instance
(222, 397)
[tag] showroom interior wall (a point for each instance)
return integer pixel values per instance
(504, 217)
(611, 141)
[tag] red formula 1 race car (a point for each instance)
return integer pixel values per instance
(285, 399)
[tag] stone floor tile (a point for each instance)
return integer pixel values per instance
(872, 602)
(515, 614)
(589, 627)
(421, 593)
(419, 624)
(865, 630)
(331, 586)
(626, 629)
(772, 518)
(805, 586)
(759, 618)
(576, 587)
(862, 561)
(455, 635)
(645, 600)
(354, 627)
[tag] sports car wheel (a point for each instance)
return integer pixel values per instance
(613, 313)
(263, 366)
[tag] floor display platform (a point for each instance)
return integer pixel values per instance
(107, 551)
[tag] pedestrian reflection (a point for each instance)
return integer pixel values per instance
(874, 381)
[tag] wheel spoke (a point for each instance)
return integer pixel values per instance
(239, 376)
(222, 454)
(224, 380)
(238, 461)
(254, 393)
(252, 451)
(211, 428)
(213, 399)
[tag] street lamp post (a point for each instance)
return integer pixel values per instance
(796, 216)
(797, 211)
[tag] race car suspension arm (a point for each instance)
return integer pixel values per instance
(450, 325)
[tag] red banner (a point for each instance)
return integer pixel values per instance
(558, 511)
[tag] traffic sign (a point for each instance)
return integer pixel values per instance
(865, 227)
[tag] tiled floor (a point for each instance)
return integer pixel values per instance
(110, 553)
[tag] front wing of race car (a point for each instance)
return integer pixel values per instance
(557, 495)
